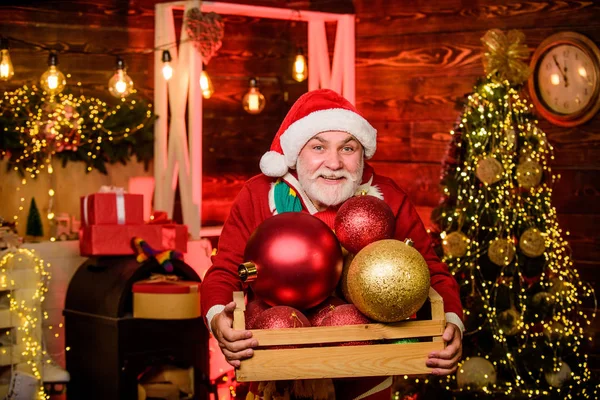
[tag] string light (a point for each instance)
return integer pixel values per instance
(253, 101)
(206, 85)
(300, 72)
(27, 310)
(120, 84)
(167, 69)
(53, 81)
(6, 66)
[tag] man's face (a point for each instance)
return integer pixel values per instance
(330, 167)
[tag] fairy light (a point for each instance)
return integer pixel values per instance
(26, 312)
(498, 123)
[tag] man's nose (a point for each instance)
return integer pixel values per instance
(333, 160)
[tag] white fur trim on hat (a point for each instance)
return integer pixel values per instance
(272, 164)
(332, 119)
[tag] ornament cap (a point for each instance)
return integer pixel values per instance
(248, 272)
(409, 242)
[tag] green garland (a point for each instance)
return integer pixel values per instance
(35, 128)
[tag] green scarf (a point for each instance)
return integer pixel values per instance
(286, 198)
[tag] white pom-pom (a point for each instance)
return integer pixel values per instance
(273, 164)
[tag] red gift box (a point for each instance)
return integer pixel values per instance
(115, 240)
(113, 208)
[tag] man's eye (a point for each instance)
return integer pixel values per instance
(318, 147)
(348, 149)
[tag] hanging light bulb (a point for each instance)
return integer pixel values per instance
(53, 81)
(120, 85)
(300, 72)
(253, 101)
(167, 69)
(206, 85)
(6, 67)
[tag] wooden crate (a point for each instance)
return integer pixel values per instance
(314, 361)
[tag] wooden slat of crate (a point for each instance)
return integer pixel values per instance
(316, 361)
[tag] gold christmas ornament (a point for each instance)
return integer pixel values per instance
(560, 376)
(554, 331)
(388, 280)
(505, 55)
(475, 373)
(508, 321)
(455, 244)
(529, 174)
(489, 170)
(501, 251)
(532, 243)
(542, 299)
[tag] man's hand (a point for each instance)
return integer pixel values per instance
(445, 361)
(236, 345)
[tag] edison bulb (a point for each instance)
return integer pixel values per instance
(6, 67)
(254, 101)
(167, 69)
(300, 72)
(53, 81)
(120, 85)
(206, 85)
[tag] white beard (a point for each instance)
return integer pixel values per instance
(329, 195)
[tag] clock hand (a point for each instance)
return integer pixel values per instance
(566, 81)
(561, 71)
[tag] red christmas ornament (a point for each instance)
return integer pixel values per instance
(281, 317)
(292, 259)
(316, 315)
(253, 309)
(362, 220)
(345, 314)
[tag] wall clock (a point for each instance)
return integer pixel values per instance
(565, 80)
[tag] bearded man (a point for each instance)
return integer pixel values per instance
(316, 163)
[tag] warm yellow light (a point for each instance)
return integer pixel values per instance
(50, 215)
(206, 85)
(555, 79)
(51, 192)
(254, 101)
(120, 84)
(6, 67)
(582, 72)
(300, 72)
(53, 81)
(167, 70)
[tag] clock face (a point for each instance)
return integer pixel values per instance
(566, 79)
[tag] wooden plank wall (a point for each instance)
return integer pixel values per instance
(415, 59)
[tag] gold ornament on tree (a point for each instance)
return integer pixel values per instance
(554, 331)
(501, 251)
(475, 373)
(532, 243)
(529, 174)
(489, 170)
(455, 244)
(557, 377)
(388, 280)
(509, 321)
(505, 55)
(206, 32)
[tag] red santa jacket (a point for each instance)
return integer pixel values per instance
(252, 206)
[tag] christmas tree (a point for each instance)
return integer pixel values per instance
(498, 232)
(34, 221)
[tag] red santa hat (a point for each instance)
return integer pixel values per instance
(314, 112)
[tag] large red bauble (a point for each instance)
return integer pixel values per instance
(362, 220)
(292, 259)
(253, 309)
(315, 315)
(345, 314)
(281, 317)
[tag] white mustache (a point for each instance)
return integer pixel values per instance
(328, 174)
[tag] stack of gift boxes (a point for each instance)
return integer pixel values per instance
(110, 219)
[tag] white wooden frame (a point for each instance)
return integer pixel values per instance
(177, 146)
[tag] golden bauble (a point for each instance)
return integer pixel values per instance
(554, 331)
(532, 243)
(529, 174)
(501, 251)
(489, 170)
(455, 244)
(475, 373)
(508, 321)
(558, 378)
(388, 280)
